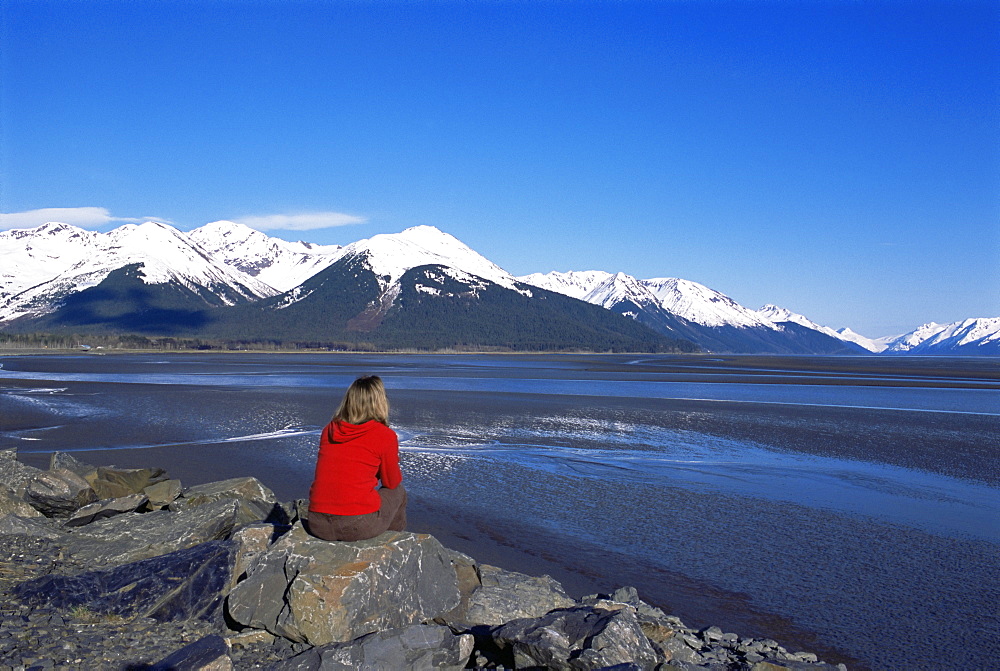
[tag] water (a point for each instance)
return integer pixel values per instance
(848, 504)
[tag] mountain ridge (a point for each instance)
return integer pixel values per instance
(224, 264)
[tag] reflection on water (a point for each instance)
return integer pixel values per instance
(819, 500)
(643, 454)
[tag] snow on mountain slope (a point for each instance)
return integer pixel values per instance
(619, 288)
(575, 283)
(776, 314)
(701, 305)
(166, 255)
(276, 262)
(870, 344)
(690, 300)
(390, 255)
(32, 256)
(964, 336)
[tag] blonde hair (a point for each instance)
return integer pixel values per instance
(364, 401)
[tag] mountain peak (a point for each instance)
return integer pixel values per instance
(391, 255)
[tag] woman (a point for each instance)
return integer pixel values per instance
(356, 451)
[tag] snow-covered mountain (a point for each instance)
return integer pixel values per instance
(391, 255)
(32, 256)
(777, 315)
(968, 337)
(575, 283)
(273, 261)
(155, 269)
(55, 260)
(681, 308)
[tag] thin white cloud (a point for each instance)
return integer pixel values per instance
(307, 221)
(84, 217)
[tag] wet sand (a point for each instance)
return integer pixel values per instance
(710, 538)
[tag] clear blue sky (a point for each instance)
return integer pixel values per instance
(840, 159)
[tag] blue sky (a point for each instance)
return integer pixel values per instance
(840, 159)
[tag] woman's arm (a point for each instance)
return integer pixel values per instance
(388, 471)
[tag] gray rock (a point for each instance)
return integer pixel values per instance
(251, 542)
(71, 463)
(110, 482)
(100, 510)
(676, 649)
(258, 501)
(134, 536)
(163, 493)
(58, 493)
(12, 504)
(507, 595)
(248, 489)
(210, 653)
(320, 592)
(413, 647)
(37, 527)
(13, 473)
(185, 585)
(790, 665)
(578, 638)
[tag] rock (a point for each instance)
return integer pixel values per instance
(210, 653)
(507, 595)
(13, 473)
(322, 592)
(467, 574)
(71, 463)
(58, 493)
(251, 541)
(258, 500)
(578, 638)
(413, 647)
(110, 482)
(134, 536)
(182, 585)
(12, 504)
(163, 493)
(37, 527)
(100, 510)
(790, 665)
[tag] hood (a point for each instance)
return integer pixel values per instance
(341, 432)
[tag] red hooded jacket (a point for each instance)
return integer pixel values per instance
(352, 459)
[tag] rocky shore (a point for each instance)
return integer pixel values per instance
(112, 568)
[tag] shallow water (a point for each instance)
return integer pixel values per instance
(856, 500)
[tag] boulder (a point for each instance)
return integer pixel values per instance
(258, 500)
(162, 493)
(507, 595)
(320, 592)
(38, 527)
(210, 653)
(71, 463)
(188, 584)
(134, 536)
(110, 482)
(100, 510)
(58, 493)
(12, 504)
(13, 473)
(252, 541)
(578, 638)
(414, 647)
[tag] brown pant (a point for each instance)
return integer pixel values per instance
(392, 515)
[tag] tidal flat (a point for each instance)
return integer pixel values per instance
(849, 506)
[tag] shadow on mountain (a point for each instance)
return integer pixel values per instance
(123, 302)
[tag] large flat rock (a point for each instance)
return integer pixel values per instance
(134, 536)
(182, 585)
(322, 592)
